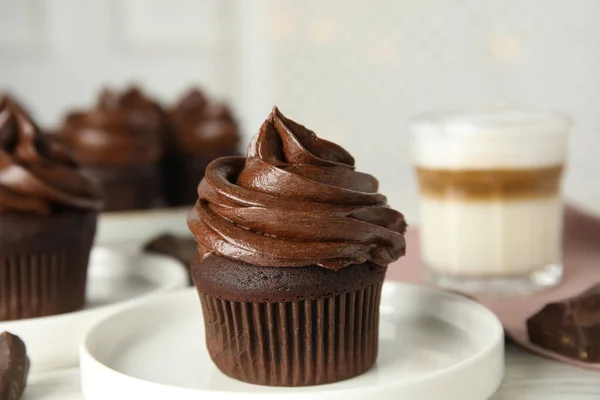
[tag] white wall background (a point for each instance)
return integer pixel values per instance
(354, 71)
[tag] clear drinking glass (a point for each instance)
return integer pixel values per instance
(490, 198)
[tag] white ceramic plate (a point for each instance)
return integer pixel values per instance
(115, 280)
(433, 345)
(140, 226)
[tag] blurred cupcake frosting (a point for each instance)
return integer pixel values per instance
(124, 128)
(36, 174)
(201, 131)
(143, 155)
(203, 126)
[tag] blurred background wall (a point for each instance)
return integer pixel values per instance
(354, 71)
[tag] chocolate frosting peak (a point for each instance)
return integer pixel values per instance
(191, 103)
(37, 174)
(296, 200)
(132, 99)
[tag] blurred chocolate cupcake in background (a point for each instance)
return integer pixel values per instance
(48, 213)
(119, 142)
(201, 131)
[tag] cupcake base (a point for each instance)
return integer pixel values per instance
(300, 327)
(43, 263)
(129, 187)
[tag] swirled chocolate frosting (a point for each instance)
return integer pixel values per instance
(37, 175)
(204, 127)
(140, 108)
(296, 200)
(124, 128)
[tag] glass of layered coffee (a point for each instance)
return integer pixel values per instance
(490, 198)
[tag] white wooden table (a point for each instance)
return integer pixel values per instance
(527, 377)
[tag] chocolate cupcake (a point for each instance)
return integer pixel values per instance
(120, 144)
(201, 132)
(294, 246)
(48, 213)
(182, 248)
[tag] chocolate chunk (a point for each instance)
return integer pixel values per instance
(570, 327)
(14, 366)
(182, 248)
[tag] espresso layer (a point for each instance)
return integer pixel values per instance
(491, 184)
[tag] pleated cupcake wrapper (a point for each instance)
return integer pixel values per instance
(130, 187)
(42, 284)
(294, 343)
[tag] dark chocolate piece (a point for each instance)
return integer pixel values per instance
(570, 327)
(182, 248)
(14, 366)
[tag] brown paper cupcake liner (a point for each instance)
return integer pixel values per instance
(298, 343)
(41, 284)
(182, 174)
(129, 187)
